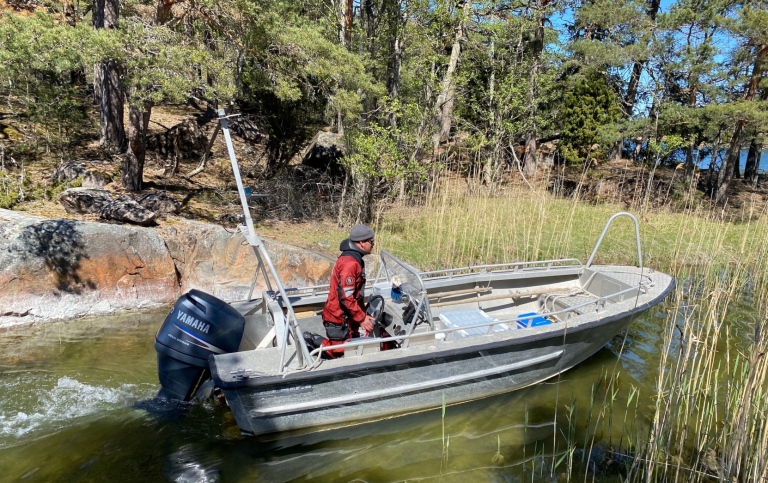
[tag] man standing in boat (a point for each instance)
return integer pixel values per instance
(344, 312)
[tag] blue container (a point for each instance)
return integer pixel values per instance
(531, 319)
(396, 294)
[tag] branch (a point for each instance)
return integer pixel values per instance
(518, 164)
(204, 159)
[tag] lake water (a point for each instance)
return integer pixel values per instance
(76, 405)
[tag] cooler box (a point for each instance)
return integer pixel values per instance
(531, 319)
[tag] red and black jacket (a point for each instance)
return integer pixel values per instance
(345, 295)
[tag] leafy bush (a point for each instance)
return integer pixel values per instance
(9, 191)
(588, 106)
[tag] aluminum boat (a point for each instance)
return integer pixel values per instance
(441, 337)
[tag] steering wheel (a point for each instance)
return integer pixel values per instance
(375, 309)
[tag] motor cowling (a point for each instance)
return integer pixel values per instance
(198, 326)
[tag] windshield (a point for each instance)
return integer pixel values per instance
(403, 274)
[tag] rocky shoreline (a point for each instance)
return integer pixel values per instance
(58, 268)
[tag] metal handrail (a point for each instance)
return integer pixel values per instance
(602, 235)
(550, 264)
(322, 289)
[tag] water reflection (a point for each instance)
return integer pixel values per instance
(190, 464)
(77, 405)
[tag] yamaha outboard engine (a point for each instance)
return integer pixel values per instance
(199, 325)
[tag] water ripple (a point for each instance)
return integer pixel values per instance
(44, 401)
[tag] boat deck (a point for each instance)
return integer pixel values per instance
(565, 305)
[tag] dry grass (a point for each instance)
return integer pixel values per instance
(709, 416)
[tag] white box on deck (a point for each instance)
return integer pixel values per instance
(465, 318)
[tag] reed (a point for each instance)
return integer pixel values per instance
(710, 400)
(446, 441)
(709, 409)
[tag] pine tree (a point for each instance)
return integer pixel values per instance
(750, 25)
(107, 83)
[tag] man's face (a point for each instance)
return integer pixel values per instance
(366, 245)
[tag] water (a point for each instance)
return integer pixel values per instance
(76, 405)
(762, 164)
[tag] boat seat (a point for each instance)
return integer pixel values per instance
(463, 318)
(313, 324)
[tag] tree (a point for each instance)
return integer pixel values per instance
(38, 55)
(160, 66)
(447, 97)
(617, 38)
(107, 85)
(733, 155)
(757, 135)
(753, 159)
(396, 23)
(691, 76)
(540, 17)
(588, 105)
(750, 25)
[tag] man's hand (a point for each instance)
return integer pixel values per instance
(367, 324)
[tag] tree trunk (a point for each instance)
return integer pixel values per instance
(108, 94)
(689, 161)
(492, 79)
(530, 160)
(396, 63)
(368, 22)
(394, 79)
(689, 152)
(107, 88)
(634, 80)
(710, 184)
(529, 156)
(629, 99)
(106, 14)
(637, 68)
(163, 11)
(339, 124)
(730, 161)
(753, 159)
(133, 171)
(615, 153)
(638, 148)
(338, 10)
(348, 18)
(445, 99)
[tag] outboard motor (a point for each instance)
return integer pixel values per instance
(199, 325)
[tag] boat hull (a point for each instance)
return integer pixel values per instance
(410, 383)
